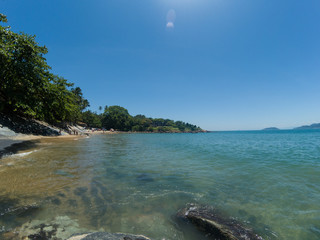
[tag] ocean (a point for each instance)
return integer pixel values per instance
(268, 181)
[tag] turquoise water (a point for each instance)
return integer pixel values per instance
(136, 183)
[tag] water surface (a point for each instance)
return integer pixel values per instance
(136, 183)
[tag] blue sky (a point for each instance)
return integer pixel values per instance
(219, 64)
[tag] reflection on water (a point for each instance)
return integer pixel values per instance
(136, 183)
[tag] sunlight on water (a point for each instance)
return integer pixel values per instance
(136, 183)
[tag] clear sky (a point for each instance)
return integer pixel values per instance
(219, 64)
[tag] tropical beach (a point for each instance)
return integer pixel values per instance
(159, 120)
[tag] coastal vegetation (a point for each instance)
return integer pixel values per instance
(29, 89)
(118, 118)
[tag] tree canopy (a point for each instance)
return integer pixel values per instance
(118, 118)
(30, 89)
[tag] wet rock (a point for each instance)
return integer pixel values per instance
(108, 236)
(215, 226)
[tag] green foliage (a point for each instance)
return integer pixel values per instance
(92, 120)
(26, 85)
(24, 72)
(80, 101)
(118, 118)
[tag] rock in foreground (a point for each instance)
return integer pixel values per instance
(107, 236)
(214, 226)
(63, 227)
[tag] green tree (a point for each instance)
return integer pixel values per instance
(80, 100)
(61, 103)
(24, 72)
(116, 117)
(26, 85)
(92, 119)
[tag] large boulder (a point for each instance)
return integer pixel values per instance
(107, 236)
(63, 227)
(214, 225)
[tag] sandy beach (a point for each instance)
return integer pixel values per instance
(15, 144)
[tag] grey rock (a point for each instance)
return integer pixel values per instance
(13, 125)
(214, 225)
(107, 236)
(63, 227)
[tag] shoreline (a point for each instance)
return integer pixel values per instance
(10, 145)
(15, 144)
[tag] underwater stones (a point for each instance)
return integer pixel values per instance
(61, 194)
(215, 226)
(27, 210)
(56, 201)
(59, 228)
(80, 191)
(108, 236)
(72, 202)
(144, 177)
(103, 190)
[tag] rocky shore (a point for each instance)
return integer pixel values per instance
(206, 219)
(64, 228)
(18, 133)
(11, 126)
(214, 225)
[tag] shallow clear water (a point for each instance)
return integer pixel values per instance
(136, 183)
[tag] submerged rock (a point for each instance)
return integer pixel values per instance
(108, 236)
(209, 221)
(144, 177)
(59, 228)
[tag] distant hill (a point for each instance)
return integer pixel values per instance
(270, 129)
(312, 126)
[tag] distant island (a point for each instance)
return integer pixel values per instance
(270, 129)
(312, 126)
(304, 127)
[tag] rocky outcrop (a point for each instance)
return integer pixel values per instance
(16, 124)
(209, 221)
(62, 228)
(108, 236)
